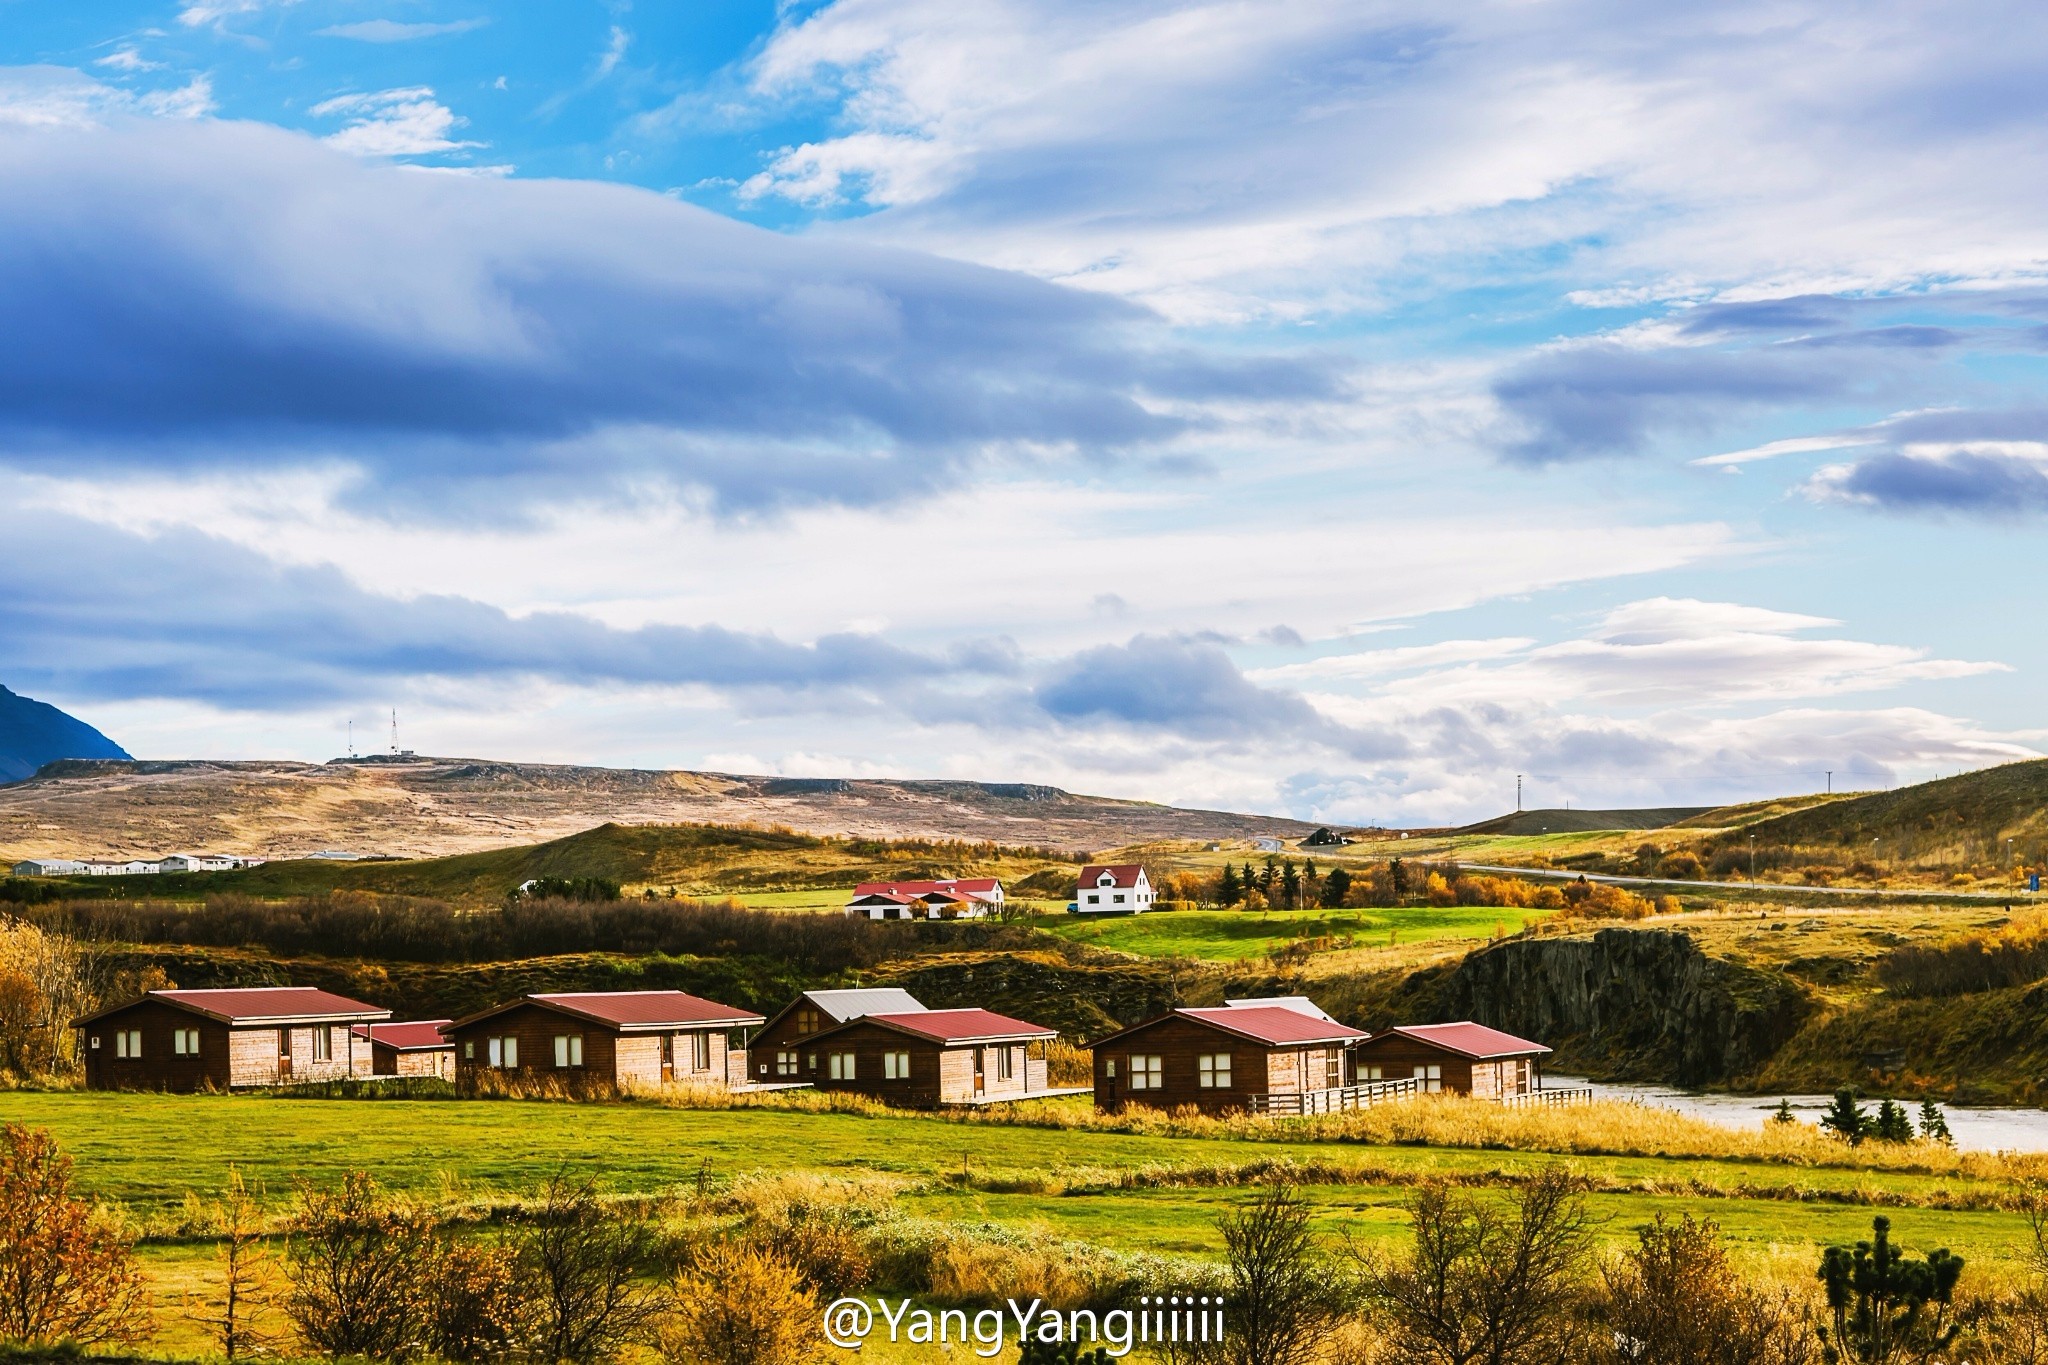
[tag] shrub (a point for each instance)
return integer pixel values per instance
(360, 1268)
(1885, 1306)
(66, 1272)
(582, 1266)
(739, 1304)
(235, 1313)
(1283, 1294)
(1674, 1299)
(1486, 1283)
(1681, 866)
(476, 1312)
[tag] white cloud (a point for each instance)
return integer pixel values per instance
(392, 31)
(59, 97)
(407, 121)
(127, 59)
(614, 51)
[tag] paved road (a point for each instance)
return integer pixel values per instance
(2005, 897)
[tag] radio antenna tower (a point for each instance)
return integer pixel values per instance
(351, 738)
(394, 731)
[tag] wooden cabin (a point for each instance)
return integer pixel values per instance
(776, 1056)
(1464, 1058)
(415, 1048)
(1257, 1056)
(600, 1040)
(926, 1058)
(226, 1039)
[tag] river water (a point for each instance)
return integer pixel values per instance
(1989, 1130)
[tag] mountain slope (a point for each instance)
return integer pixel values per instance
(1578, 821)
(431, 807)
(33, 733)
(1968, 817)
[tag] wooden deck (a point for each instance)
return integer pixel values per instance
(1332, 1101)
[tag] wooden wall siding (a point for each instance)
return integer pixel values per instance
(158, 1068)
(338, 1064)
(1398, 1057)
(389, 1061)
(784, 1033)
(253, 1056)
(938, 1074)
(609, 1058)
(1179, 1043)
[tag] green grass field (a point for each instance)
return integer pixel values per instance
(149, 1152)
(1232, 935)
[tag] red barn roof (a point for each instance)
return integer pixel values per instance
(257, 1005)
(975, 887)
(957, 1026)
(423, 1035)
(629, 1010)
(1124, 875)
(1469, 1039)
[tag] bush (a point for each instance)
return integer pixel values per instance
(1674, 1299)
(67, 1274)
(739, 1304)
(1283, 1295)
(1681, 866)
(361, 1271)
(582, 1266)
(1886, 1306)
(476, 1312)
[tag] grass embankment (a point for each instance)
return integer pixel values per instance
(1234, 935)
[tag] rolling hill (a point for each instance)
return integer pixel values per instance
(433, 807)
(1963, 819)
(1584, 821)
(33, 733)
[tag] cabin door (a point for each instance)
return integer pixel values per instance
(980, 1072)
(284, 1054)
(668, 1058)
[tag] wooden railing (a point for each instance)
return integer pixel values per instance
(1334, 1100)
(1562, 1095)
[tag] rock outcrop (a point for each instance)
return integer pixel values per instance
(1631, 1004)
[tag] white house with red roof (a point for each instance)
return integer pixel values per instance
(943, 898)
(1112, 889)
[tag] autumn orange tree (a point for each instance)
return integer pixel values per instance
(67, 1273)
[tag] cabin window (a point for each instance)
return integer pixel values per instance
(185, 1042)
(1006, 1064)
(785, 1064)
(469, 1049)
(842, 1066)
(1372, 1073)
(895, 1066)
(807, 1020)
(1214, 1069)
(700, 1052)
(1145, 1072)
(812, 1062)
(1111, 1065)
(1430, 1078)
(568, 1049)
(323, 1045)
(505, 1053)
(128, 1043)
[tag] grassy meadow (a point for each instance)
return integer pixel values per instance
(1235, 935)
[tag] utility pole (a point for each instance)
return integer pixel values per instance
(1518, 793)
(1831, 782)
(394, 732)
(351, 739)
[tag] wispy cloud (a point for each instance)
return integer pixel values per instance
(389, 123)
(394, 31)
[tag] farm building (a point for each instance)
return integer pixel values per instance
(775, 1055)
(1465, 1058)
(202, 862)
(409, 1049)
(191, 1039)
(926, 1058)
(602, 1039)
(946, 898)
(49, 867)
(1261, 1056)
(1112, 889)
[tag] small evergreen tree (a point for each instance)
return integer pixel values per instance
(1846, 1119)
(1397, 873)
(1229, 890)
(1892, 1124)
(1290, 885)
(1884, 1306)
(1784, 1113)
(1933, 1126)
(1336, 887)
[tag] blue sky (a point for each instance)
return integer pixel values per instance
(1333, 410)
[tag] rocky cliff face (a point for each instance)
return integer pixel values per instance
(1630, 1004)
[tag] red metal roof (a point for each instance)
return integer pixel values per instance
(1276, 1024)
(1126, 874)
(1470, 1039)
(260, 1003)
(945, 886)
(411, 1036)
(959, 1026)
(632, 1009)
